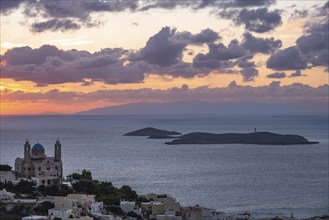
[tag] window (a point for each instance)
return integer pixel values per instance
(56, 167)
(48, 168)
(48, 182)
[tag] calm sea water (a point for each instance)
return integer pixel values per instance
(264, 180)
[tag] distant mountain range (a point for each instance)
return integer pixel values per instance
(202, 107)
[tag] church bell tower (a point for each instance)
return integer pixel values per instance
(58, 151)
(27, 150)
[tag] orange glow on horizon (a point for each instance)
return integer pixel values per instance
(3, 63)
(32, 108)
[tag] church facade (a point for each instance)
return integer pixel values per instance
(36, 165)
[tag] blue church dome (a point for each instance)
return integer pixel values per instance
(37, 146)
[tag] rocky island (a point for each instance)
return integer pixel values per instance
(262, 138)
(152, 132)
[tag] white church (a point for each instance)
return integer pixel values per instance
(37, 166)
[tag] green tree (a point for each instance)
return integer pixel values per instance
(128, 193)
(115, 210)
(5, 167)
(134, 215)
(24, 187)
(42, 208)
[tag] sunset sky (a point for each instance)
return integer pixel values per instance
(71, 56)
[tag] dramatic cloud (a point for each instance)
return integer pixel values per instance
(245, 62)
(311, 49)
(249, 3)
(272, 93)
(237, 54)
(249, 74)
(260, 45)
(219, 54)
(298, 73)
(164, 48)
(277, 75)
(6, 6)
(161, 55)
(323, 10)
(315, 43)
(205, 36)
(54, 25)
(287, 59)
(259, 20)
(49, 65)
(72, 15)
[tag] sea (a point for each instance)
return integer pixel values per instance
(264, 180)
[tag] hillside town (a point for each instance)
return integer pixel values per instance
(37, 190)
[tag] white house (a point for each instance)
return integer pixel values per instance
(60, 213)
(4, 195)
(35, 217)
(96, 207)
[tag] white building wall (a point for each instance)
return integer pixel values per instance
(127, 206)
(60, 213)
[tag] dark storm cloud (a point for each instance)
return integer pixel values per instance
(248, 3)
(261, 45)
(205, 36)
(219, 54)
(323, 10)
(258, 20)
(314, 44)
(287, 59)
(79, 12)
(206, 61)
(49, 65)
(79, 9)
(245, 62)
(163, 49)
(166, 47)
(249, 74)
(311, 50)
(165, 4)
(6, 6)
(298, 73)
(71, 15)
(298, 14)
(112, 6)
(276, 75)
(162, 55)
(55, 25)
(252, 14)
(234, 3)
